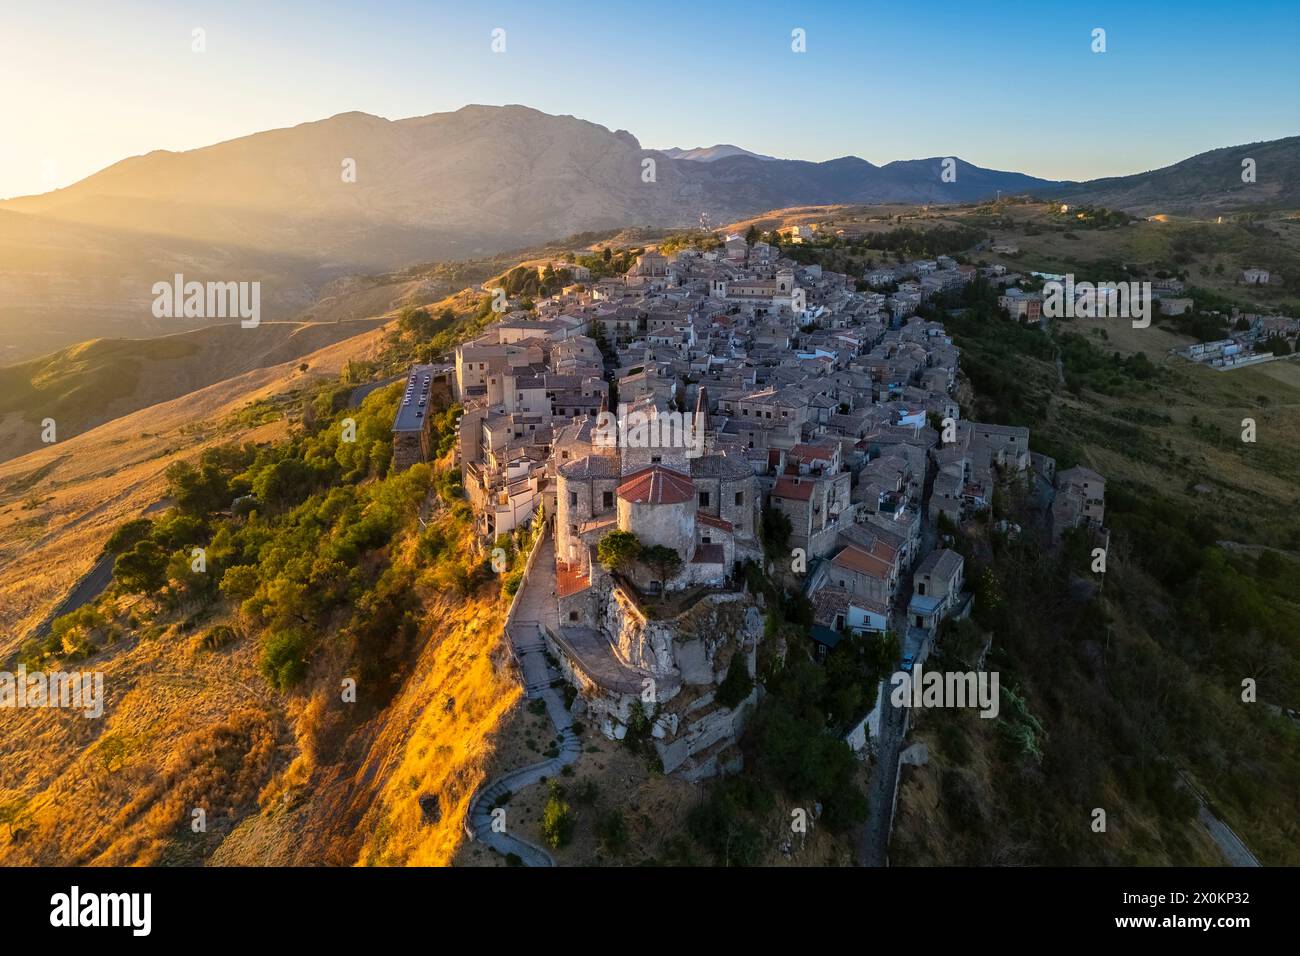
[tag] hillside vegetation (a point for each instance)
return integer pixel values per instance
(1111, 689)
(333, 666)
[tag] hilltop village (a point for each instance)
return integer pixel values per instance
(651, 419)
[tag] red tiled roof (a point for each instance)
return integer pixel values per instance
(796, 490)
(820, 452)
(859, 561)
(657, 485)
(569, 579)
(715, 521)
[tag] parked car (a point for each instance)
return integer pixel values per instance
(908, 661)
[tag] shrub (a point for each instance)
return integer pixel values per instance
(240, 582)
(218, 637)
(611, 830)
(282, 658)
(736, 686)
(719, 825)
(557, 822)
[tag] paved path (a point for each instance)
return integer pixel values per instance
(90, 586)
(873, 844)
(536, 608)
(1232, 847)
(361, 391)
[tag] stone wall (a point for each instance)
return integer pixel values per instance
(637, 642)
(407, 450)
(692, 733)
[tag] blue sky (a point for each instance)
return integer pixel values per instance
(1001, 84)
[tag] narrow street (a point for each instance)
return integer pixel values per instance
(882, 791)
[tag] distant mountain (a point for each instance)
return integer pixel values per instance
(1206, 183)
(452, 184)
(280, 207)
(707, 154)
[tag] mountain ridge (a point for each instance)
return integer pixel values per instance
(283, 207)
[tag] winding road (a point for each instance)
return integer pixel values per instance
(536, 609)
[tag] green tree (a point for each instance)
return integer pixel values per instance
(128, 536)
(663, 560)
(415, 322)
(142, 570)
(618, 550)
(776, 531)
(240, 582)
(197, 491)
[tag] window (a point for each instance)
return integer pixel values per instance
(609, 499)
(740, 496)
(656, 459)
(573, 499)
(573, 615)
(839, 622)
(704, 499)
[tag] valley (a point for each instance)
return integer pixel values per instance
(396, 778)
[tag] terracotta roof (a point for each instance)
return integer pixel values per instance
(855, 559)
(569, 579)
(657, 485)
(714, 521)
(796, 490)
(822, 452)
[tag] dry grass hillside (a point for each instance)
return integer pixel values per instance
(300, 776)
(396, 788)
(103, 379)
(282, 779)
(59, 504)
